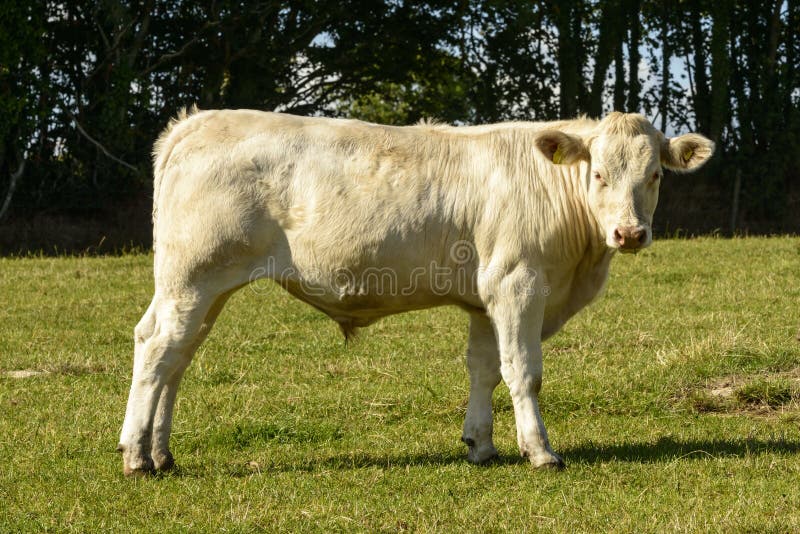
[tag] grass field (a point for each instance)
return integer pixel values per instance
(674, 400)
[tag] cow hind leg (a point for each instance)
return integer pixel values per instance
(166, 338)
(142, 333)
(162, 423)
(483, 362)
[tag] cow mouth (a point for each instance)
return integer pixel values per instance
(632, 249)
(629, 249)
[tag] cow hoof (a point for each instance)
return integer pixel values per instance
(479, 455)
(548, 461)
(142, 470)
(163, 461)
(135, 466)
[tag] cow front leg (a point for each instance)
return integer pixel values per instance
(162, 423)
(518, 323)
(483, 362)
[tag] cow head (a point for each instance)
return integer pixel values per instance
(626, 156)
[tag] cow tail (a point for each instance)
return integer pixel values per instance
(162, 150)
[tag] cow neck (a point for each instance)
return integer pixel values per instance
(577, 232)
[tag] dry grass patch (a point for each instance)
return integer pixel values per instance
(762, 394)
(64, 369)
(23, 373)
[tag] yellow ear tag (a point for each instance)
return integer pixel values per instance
(558, 156)
(688, 155)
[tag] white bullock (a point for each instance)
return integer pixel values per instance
(516, 223)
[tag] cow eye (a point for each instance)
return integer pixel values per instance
(656, 177)
(599, 178)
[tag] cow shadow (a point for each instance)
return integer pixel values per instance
(663, 450)
(668, 449)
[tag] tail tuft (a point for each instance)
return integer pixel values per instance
(349, 330)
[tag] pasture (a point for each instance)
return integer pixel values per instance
(674, 400)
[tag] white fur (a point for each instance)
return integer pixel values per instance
(479, 217)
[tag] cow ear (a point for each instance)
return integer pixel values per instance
(686, 153)
(561, 148)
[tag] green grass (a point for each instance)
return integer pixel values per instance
(281, 427)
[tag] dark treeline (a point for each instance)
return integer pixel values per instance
(86, 86)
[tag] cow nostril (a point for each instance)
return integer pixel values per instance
(630, 237)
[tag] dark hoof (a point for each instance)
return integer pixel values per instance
(479, 456)
(138, 472)
(133, 466)
(550, 461)
(487, 460)
(553, 466)
(164, 463)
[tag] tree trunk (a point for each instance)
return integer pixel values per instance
(737, 189)
(567, 58)
(738, 83)
(666, 56)
(720, 68)
(634, 56)
(582, 98)
(701, 96)
(606, 46)
(12, 187)
(619, 76)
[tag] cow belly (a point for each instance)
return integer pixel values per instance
(359, 310)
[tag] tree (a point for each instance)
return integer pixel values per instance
(85, 86)
(23, 93)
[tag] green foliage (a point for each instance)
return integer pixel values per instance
(436, 93)
(21, 50)
(120, 69)
(389, 104)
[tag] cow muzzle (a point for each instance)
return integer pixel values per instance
(630, 238)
